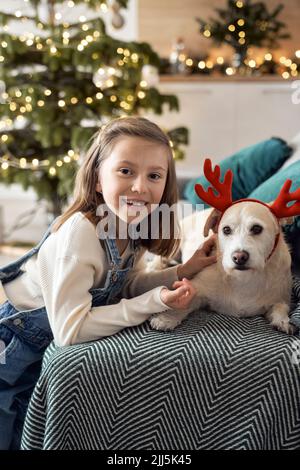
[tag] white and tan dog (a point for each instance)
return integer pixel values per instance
(252, 275)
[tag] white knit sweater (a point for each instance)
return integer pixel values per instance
(71, 262)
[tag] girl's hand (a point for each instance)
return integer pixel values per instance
(200, 259)
(181, 297)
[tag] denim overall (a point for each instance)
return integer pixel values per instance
(24, 336)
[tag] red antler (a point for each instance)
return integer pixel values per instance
(279, 206)
(224, 198)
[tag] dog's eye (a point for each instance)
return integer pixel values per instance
(226, 230)
(256, 229)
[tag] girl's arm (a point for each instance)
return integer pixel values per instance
(69, 305)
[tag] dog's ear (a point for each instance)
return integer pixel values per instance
(286, 220)
(212, 222)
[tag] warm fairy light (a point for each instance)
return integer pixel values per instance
(242, 41)
(201, 64)
(241, 22)
(47, 92)
(71, 3)
(252, 63)
(61, 103)
(23, 109)
(71, 153)
(268, 56)
(89, 100)
(4, 44)
(53, 50)
(23, 162)
(297, 54)
(285, 75)
(99, 96)
(282, 60)
(58, 16)
(12, 106)
(18, 93)
(288, 62)
(39, 46)
(220, 60)
(242, 34)
(141, 94)
(52, 171)
(18, 14)
(239, 4)
(35, 162)
(80, 47)
(207, 33)
(113, 98)
(67, 159)
(40, 103)
(82, 19)
(74, 100)
(109, 83)
(103, 7)
(4, 166)
(229, 71)
(120, 50)
(231, 27)
(143, 84)
(59, 163)
(4, 138)
(126, 52)
(209, 64)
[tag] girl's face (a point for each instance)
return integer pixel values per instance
(133, 177)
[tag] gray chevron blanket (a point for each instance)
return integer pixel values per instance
(214, 383)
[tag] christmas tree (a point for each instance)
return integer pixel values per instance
(243, 24)
(60, 83)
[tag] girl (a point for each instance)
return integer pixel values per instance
(78, 284)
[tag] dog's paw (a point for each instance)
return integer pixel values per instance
(164, 321)
(285, 326)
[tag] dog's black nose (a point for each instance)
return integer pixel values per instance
(240, 257)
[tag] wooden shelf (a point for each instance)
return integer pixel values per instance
(221, 78)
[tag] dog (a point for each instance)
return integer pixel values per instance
(252, 275)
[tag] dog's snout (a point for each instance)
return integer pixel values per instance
(240, 258)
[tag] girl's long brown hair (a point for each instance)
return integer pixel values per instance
(86, 199)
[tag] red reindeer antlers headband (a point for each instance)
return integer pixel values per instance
(224, 198)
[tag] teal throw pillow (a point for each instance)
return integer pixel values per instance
(269, 190)
(251, 166)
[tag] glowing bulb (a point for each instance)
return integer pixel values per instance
(201, 64)
(61, 103)
(207, 33)
(35, 162)
(268, 56)
(4, 166)
(52, 171)
(231, 27)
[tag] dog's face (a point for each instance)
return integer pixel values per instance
(246, 233)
